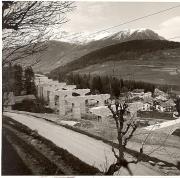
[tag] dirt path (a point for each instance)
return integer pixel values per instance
(87, 149)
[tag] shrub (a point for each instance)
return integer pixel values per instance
(32, 106)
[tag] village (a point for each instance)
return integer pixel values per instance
(68, 102)
(90, 88)
(89, 114)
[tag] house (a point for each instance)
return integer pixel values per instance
(147, 95)
(146, 107)
(167, 106)
(147, 103)
(137, 93)
(158, 92)
(159, 108)
(161, 98)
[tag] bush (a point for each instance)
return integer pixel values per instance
(32, 106)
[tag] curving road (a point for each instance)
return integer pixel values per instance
(87, 149)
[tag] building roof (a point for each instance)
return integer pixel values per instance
(161, 98)
(148, 100)
(138, 91)
(158, 92)
(169, 103)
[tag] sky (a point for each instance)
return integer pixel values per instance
(94, 16)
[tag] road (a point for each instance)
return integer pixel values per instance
(167, 127)
(89, 150)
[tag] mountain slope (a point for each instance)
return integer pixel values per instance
(130, 50)
(120, 36)
(48, 58)
(158, 67)
(60, 53)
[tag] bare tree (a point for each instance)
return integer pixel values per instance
(27, 26)
(125, 130)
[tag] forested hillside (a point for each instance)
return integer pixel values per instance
(131, 50)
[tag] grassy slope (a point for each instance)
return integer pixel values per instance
(60, 53)
(49, 58)
(140, 59)
(161, 70)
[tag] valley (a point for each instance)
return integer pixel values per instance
(61, 52)
(90, 88)
(140, 55)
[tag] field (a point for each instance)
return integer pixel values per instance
(150, 61)
(164, 71)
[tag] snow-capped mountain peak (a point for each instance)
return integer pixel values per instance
(136, 34)
(123, 35)
(82, 37)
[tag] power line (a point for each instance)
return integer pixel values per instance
(130, 21)
(139, 18)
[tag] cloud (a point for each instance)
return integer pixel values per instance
(170, 28)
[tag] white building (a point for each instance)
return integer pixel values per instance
(146, 107)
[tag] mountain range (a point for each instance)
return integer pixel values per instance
(120, 36)
(154, 61)
(76, 45)
(139, 54)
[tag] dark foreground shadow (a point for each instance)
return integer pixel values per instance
(11, 162)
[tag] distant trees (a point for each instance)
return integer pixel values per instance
(16, 80)
(29, 84)
(107, 84)
(130, 50)
(13, 79)
(97, 84)
(7, 78)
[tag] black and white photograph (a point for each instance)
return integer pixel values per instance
(90, 88)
